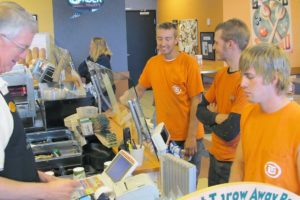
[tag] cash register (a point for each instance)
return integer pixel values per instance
(117, 182)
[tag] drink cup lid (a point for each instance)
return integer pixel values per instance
(78, 169)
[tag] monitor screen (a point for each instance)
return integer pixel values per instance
(165, 135)
(119, 167)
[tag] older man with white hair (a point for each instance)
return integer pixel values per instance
(19, 178)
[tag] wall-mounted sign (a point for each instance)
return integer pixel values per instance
(85, 5)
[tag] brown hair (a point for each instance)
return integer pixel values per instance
(236, 30)
(168, 26)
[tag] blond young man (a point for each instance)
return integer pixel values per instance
(269, 149)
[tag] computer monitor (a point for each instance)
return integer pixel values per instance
(121, 166)
(139, 120)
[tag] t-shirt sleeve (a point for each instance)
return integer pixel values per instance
(194, 83)
(240, 101)
(245, 114)
(144, 79)
(210, 95)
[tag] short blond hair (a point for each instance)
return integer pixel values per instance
(268, 60)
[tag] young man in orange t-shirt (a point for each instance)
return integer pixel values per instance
(222, 105)
(177, 86)
(269, 150)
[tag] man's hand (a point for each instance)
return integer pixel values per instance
(190, 146)
(61, 189)
(212, 107)
(46, 178)
(58, 189)
(124, 98)
(132, 93)
(220, 118)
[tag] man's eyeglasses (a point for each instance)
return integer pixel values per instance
(21, 47)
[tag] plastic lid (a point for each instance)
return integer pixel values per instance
(78, 169)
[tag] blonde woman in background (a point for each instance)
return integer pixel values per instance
(99, 53)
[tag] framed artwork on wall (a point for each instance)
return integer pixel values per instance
(206, 44)
(188, 35)
(272, 23)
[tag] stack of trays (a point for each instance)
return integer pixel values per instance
(55, 149)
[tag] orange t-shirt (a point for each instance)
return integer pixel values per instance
(174, 83)
(270, 142)
(227, 93)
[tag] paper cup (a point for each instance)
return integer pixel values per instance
(78, 173)
(138, 155)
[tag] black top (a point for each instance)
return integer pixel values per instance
(19, 161)
(83, 71)
(227, 130)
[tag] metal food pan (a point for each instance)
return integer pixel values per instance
(70, 154)
(49, 136)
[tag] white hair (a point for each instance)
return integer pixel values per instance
(14, 18)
